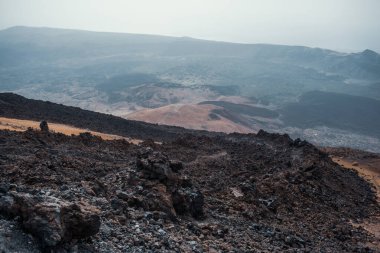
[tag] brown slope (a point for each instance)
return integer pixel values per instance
(199, 117)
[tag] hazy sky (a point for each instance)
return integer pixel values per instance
(348, 25)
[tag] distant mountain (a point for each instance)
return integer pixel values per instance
(57, 58)
(248, 86)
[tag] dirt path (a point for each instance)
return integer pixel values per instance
(369, 169)
(22, 125)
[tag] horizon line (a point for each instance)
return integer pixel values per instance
(188, 37)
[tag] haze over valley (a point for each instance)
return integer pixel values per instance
(189, 126)
(327, 97)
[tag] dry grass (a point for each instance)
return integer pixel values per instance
(22, 125)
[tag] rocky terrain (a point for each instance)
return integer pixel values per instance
(368, 167)
(230, 193)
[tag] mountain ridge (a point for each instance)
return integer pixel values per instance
(21, 28)
(126, 74)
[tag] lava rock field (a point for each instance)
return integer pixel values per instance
(227, 193)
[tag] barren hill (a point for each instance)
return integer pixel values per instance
(201, 117)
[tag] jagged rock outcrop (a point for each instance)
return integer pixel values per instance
(154, 165)
(185, 198)
(188, 200)
(50, 219)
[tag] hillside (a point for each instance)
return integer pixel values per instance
(239, 192)
(15, 106)
(195, 191)
(23, 125)
(311, 119)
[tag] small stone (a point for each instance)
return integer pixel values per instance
(162, 232)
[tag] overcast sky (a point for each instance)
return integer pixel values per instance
(345, 25)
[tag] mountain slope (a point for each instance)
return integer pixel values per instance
(15, 106)
(23, 125)
(325, 119)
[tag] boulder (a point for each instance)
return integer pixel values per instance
(80, 219)
(160, 199)
(50, 219)
(44, 126)
(176, 165)
(188, 201)
(154, 164)
(184, 198)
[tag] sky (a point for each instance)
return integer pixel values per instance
(344, 25)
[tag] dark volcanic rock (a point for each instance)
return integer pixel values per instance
(51, 220)
(234, 193)
(13, 238)
(155, 165)
(176, 165)
(188, 200)
(81, 220)
(44, 126)
(184, 198)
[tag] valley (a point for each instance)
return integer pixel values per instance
(201, 126)
(310, 93)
